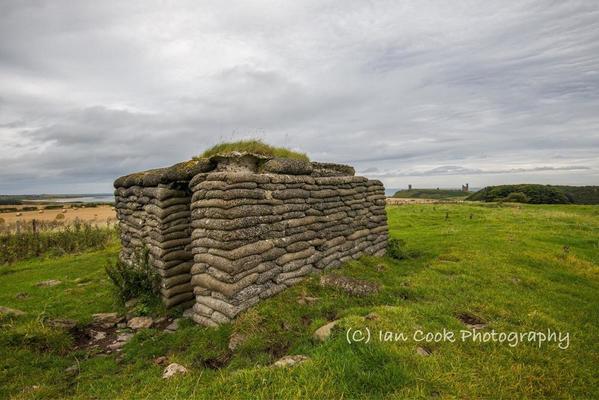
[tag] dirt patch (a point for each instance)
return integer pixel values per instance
(471, 321)
(218, 362)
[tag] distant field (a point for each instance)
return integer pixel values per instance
(99, 214)
(508, 268)
(436, 194)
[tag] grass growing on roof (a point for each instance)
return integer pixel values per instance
(254, 146)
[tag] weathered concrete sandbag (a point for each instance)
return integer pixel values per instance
(233, 213)
(330, 169)
(170, 244)
(221, 185)
(178, 269)
(285, 277)
(175, 290)
(178, 299)
(182, 255)
(254, 248)
(227, 204)
(234, 224)
(257, 232)
(237, 177)
(162, 213)
(160, 237)
(217, 305)
(303, 254)
(163, 194)
(227, 289)
(287, 166)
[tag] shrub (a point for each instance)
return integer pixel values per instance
(536, 194)
(49, 238)
(396, 249)
(137, 279)
(254, 146)
(517, 197)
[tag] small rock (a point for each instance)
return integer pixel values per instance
(188, 313)
(235, 340)
(173, 326)
(372, 316)
(124, 337)
(116, 345)
(140, 323)
(73, 369)
(423, 352)
(161, 360)
(323, 333)
(11, 311)
(355, 287)
(307, 300)
(172, 370)
(131, 303)
(97, 335)
(62, 323)
(107, 320)
(121, 325)
(160, 321)
(289, 361)
(49, 283)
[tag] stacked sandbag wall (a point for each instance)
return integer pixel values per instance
(154, 220)
(259, 226)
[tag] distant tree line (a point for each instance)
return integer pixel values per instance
(538, 194)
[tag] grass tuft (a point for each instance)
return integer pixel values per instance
(256, 146)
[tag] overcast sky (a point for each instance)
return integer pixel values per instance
(433, 94)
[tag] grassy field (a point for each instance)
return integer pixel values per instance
(510, 268)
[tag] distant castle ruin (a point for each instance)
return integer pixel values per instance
(225, 232)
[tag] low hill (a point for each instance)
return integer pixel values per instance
(437, 194)
(538, 194)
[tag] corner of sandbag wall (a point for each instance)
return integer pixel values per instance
(261, 225)
(154, 218)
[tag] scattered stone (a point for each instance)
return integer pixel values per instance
(323, 333)
(97, 335)
(189, 313)
(49, 283)
(121, 325)
(11, 311)
(124, 337)
(173, 326)
(72, 370)
(137, 323)
(160, 360)
(106, 320)
(172, 370)
(423, 352)
(303, 300)
(355, 287)
(62, 323)
(131, 303)
(235, 340)
(290, 361)
(115, 346)
(160, 321)
(21, 295)
(372, 317)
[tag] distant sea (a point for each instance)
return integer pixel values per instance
(390, 192)
(108, 198)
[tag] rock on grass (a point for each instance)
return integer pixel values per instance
(172, 370)
(290, 361)
(355, 287)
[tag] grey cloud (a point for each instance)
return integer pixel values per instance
(92, 90)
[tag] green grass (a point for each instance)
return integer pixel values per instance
(518, 268)
(437, 194)
(254, 146)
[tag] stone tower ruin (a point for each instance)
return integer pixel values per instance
(226, 232)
